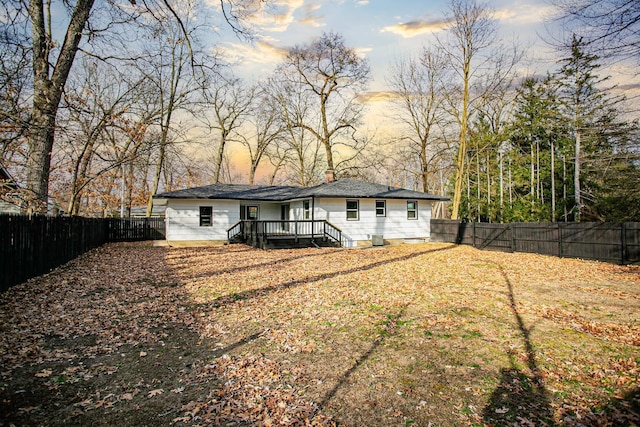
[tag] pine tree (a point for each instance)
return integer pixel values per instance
(600, 137)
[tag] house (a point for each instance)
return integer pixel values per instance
(347, 212)
(141, 211)
(9, 193)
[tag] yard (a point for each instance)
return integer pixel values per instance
(422, 335)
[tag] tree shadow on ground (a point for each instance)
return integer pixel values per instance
(519, 398)
(263, 291)
(388, 330)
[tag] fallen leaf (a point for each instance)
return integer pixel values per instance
(155, 392)
(45, 373)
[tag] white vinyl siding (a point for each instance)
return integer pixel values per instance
(395, 225)
(183, 219)
(353, 210)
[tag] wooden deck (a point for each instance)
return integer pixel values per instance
(285, 234)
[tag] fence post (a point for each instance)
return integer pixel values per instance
(474, 233)
(623, 240)
(560, 243)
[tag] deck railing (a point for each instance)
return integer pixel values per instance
(257, 233)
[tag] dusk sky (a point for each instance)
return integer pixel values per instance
(382, 30)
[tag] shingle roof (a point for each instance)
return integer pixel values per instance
(233, 192)
(347, 188)
(355, 188)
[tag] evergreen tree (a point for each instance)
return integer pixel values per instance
(600, 137)
(535, 139)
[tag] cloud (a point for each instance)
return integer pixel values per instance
(377, 96)
(362, 2)
(415, 28)
(277, 16)
(264, 51)
(311, 18)
(524, 13)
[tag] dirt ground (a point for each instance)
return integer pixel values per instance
(410, 335)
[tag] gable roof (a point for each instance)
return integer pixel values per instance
(354, 188)
(233, 192)
(6, 180)
(342, 188)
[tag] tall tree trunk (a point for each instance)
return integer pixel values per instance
(576, 178)
(553, 182)
(47, 92)
(217, 167)
(532, 177)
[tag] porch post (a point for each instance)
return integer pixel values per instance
(313, 215)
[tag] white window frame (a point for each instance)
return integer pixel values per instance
(206, 219)
(352, 210)
(383, 208)
(413, 210)
(306, 209)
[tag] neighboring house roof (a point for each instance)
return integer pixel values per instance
(141, 211)
(6, 179)
(342, 188)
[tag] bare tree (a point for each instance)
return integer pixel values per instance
(480, 64)
(230, 102)
(15, 83)
(298, 149)
(52, 60)
(267, 128)
(334, 75)
(420, 97)
(99, 101)
(611, 27)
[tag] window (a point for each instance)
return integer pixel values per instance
(252, 212)
(381, 208)
(353, 210)
(307, 209)
(248, 212)
(206, 212)
(412, 209)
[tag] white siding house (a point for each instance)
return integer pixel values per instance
(391, 219)
(359, 209)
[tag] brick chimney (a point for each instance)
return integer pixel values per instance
(329, 175)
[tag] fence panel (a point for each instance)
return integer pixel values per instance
(30, 246)
(497, 237)
(444, 230)
(597, 241)
(631, 236)
(537, 238)
(135, 229)
(610, 242)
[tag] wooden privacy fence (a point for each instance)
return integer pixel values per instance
(611, 242)
(30, 246)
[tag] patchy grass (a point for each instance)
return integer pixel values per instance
(411, 335)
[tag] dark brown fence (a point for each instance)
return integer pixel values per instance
(30, 246)
(134, 229)
(611, 242)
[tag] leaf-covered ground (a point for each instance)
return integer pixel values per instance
(422, 335)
